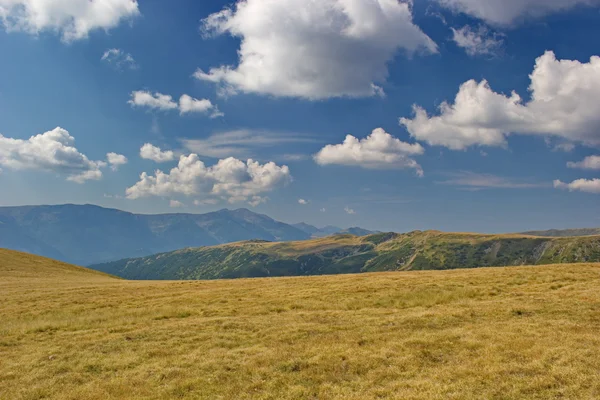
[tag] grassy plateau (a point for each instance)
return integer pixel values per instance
(493, 333)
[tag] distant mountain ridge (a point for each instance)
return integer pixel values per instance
(88, 234)
(565, 232)
(430, 250)
(315, 232)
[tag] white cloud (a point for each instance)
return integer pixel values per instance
(188, 104)
(154, 153)
(509, 12)
(165, 102)
(52, 151)
(116, 160)
(476, 181)
(303, 202)
(316, 49)
(255, 201)
(72, 19)
(477, 42)
(242, 142)
(157, 101)
(559, 145)
(581, 185)
(591, 162)
(379, 150)
(176, 204)
(563, 104)
(323, 210)
(204, 202)
(229, 179)
(119, 59)
(350, 211)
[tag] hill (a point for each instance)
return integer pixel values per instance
(495, 333)
(87, 234)
(351, 254)
(565, 232)
(16, 265)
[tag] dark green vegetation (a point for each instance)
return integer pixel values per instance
(565, 232)
(342, 254)
(89, 234)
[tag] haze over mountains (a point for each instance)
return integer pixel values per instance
(88, 234)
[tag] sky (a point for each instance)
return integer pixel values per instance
(456, 115)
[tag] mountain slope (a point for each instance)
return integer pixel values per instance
(87, 234)
(18, 265)
(352, 254)
(565, 232)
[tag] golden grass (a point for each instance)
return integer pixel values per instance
(505, 333)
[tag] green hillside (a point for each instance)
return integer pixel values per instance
(341, 254)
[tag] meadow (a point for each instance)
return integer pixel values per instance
(493, 333)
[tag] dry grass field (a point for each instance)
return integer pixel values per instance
(498, 333)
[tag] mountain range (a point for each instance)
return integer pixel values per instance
(329, 230)
(88, 234)
(430, 250)
(565, 232)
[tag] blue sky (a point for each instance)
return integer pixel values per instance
(310, 75)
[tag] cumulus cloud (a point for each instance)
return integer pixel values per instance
(477, 42)
(52, 151)
(379, 150)
(119, 59)
(509, 12)
(188, 104)
(165, 102)
(591, 162)
(229, 179)
(303, 202)
(155, 101)
(563, 104)
(313, 49)
(581, 185)
(350, 211)
(154, 153)
(72, 19)
(115, 160)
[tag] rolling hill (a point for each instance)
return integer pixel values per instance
(16, 265)
(351, 254)
(494, 333)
